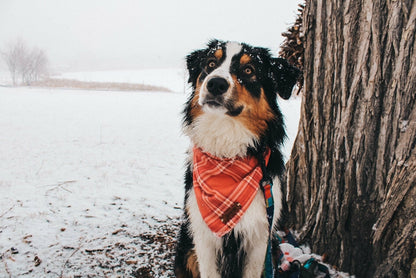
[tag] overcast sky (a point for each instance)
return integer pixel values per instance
(117, 34)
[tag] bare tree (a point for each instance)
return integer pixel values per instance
(352, 173)
(35, 66)
(24, 65)
(13, 56)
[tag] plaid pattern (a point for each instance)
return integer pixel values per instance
(224, 188)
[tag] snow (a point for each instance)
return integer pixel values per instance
(291, 113)
(4, 77)
(90, 180)
(87, 163)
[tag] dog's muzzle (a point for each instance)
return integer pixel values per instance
(217, 86)
(215, 92)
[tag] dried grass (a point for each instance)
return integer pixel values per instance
(99, 86)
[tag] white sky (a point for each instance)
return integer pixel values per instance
(117, 34)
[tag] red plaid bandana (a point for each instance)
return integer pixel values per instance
(225, 188)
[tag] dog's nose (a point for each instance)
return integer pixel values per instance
(217, 86)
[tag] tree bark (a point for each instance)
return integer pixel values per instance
(352, 172)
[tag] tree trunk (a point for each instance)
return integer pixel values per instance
(352, 172)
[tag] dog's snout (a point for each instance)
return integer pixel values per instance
(217, 86)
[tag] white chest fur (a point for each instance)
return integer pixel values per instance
(220, 135)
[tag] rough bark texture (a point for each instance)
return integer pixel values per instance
(352, 172)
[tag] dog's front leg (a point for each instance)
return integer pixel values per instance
(206, 242)
(255, 260)
(254, 229)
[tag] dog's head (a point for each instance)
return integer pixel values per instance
(238, 81)
(229, 76)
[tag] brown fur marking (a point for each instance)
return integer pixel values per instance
(256, 111)
(218, 54)
(245, 59)
(192, 264)
(196, 109)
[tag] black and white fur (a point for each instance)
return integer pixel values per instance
(232, 112)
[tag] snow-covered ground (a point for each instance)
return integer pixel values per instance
(5, 78)
(91, 183)
(77, 167)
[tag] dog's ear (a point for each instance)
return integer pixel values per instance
(284, 77)
(193, 63)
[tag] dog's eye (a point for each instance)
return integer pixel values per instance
(249, 70)
(212, 63)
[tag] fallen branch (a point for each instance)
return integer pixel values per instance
(60, 185)
(11, 208)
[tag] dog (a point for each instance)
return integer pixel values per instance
(236, 131)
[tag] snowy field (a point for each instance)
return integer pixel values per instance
(91, 183)
(83, 171)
